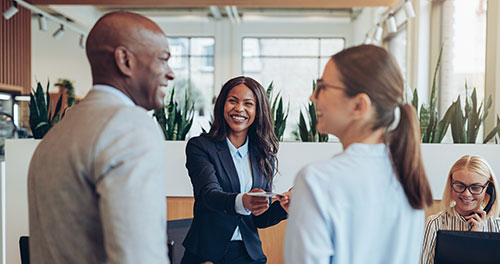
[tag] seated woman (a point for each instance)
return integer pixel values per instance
(237, 156)
(463, 201)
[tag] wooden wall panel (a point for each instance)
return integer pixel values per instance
(15, 50)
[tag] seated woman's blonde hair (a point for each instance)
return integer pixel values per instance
(475, 164)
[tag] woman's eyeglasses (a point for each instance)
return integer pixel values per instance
(473, 188)
(320, 84)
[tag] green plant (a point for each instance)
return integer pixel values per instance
(70, 90)
(174, 120)
(431, 128)
(280, 115)
(41, 117)
(309, 133)
(465, 124)
(494, 133)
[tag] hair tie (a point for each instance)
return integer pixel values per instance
(397, 118)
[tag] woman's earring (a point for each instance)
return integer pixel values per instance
(452, 204)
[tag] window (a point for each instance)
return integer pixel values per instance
(292, 64)
(463, 33)
(193, 64)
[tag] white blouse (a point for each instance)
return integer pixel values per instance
(352, 209)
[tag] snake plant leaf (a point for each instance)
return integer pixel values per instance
(47, 101)
(443, 125)
(414, 100)
(174, 120)
(303, 131)
(41, 124)
(40, 103)
(470, 115)
(278, 112)
(269, 90)
(458, 123)
(492, 133)
(159, 114)
(307, 131)
(41, 116)
(57, 114)
(424, 122)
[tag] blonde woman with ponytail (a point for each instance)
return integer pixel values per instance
(364, 205)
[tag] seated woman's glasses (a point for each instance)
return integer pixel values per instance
(473, 188)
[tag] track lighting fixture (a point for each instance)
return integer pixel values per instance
(11, 11)
(42, 23)
(59, 32)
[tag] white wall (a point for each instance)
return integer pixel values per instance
(63, 58)
(362, 25)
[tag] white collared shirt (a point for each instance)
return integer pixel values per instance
(241, 161)
(110, 89)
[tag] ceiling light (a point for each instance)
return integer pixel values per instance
(367, 39)
(229, 14)
(378, 33)
(410, 13)
(82, 41)
(236, 14)
(58, 34)
(391, 24)
(42, 23)
(11, 11)
(216, 12)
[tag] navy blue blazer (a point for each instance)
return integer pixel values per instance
(215, 185)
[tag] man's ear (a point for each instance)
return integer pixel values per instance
(362, 105)
(125, 60)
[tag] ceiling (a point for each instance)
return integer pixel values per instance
(318, 4)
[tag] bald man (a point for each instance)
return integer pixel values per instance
(96, 180)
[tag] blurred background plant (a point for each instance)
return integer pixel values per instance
(432, 129)
(69, 89)
(465, 124)
(42, 119)
(494, 134)
(280, 115)
(308, 133)
(174, 118)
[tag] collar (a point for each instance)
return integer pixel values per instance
(241, 152)
(459, 216)
(110, 89)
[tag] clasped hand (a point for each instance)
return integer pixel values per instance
(477, 220)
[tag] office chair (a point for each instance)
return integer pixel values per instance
(176, 232)
(24, 248)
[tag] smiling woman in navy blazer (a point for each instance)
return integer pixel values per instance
(235, 157)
